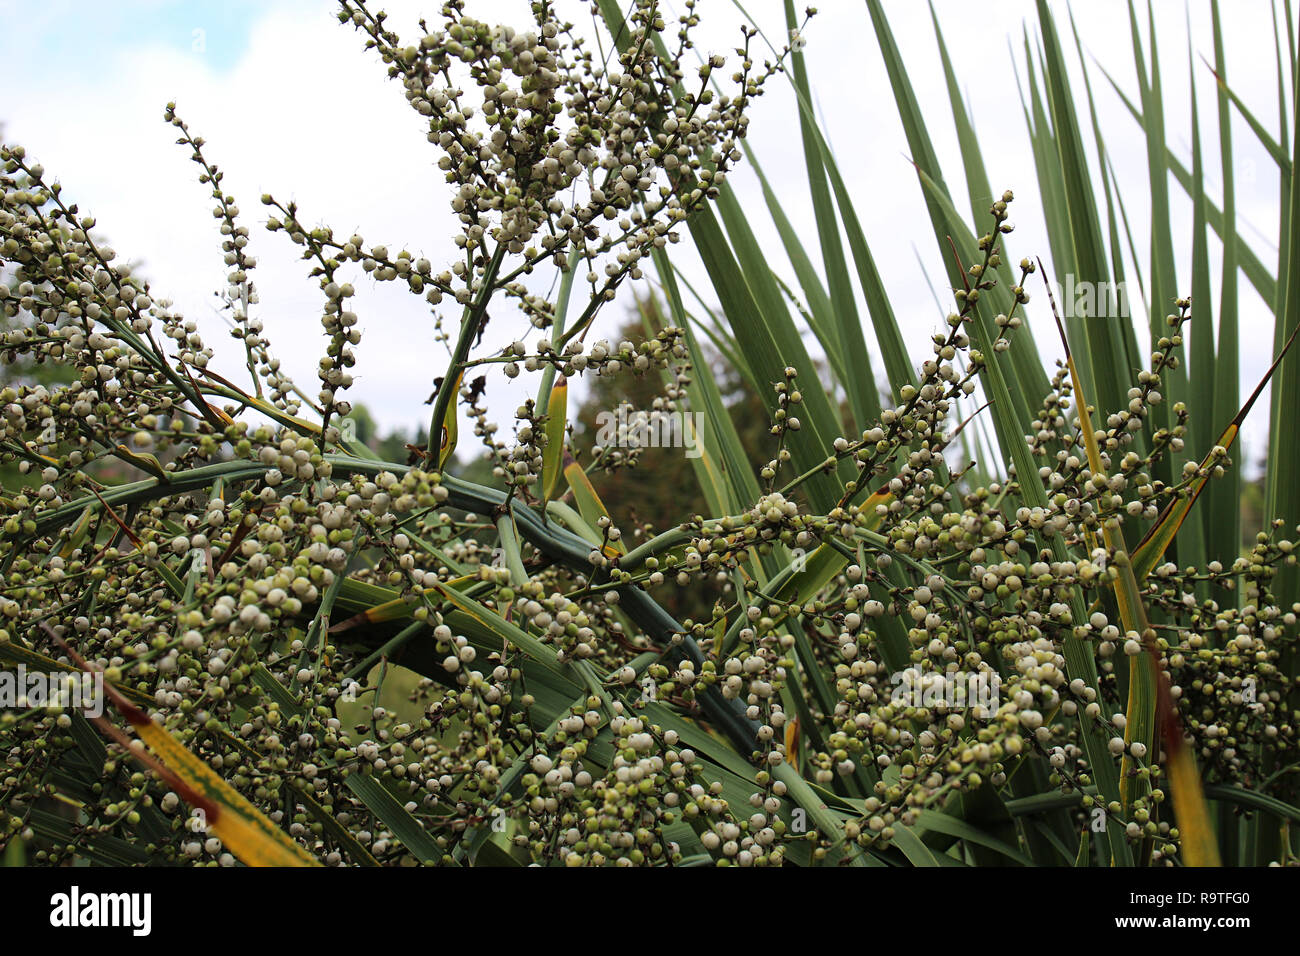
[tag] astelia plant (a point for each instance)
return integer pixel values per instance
(311, 655)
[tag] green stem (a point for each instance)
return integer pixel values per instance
(469, 328)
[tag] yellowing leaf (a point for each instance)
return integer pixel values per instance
(553, 455)
(1150, 712)
(145, 462)
(792, 742)
(589, 504)
(243, 829)
(1153, 545)
(1196, 833)
(447, 444)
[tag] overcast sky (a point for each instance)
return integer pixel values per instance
(290, 103)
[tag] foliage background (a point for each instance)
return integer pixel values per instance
(1087, 234)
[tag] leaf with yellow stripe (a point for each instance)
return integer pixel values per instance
(807, 575)
(1140, 711)
(147, 463)
(1195, 831)
(589, 504)
(792, 742)
(1153, 545)
(215, 416)
(882, 496)
(355, 448)
(1150, 713)
(450, 428)
(243, 829)
(553, 454)
(394, 608)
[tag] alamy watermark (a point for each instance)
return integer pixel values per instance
(78, 908)
(22, 689)
(629, 428)
(1091, 300)
(976, 691)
